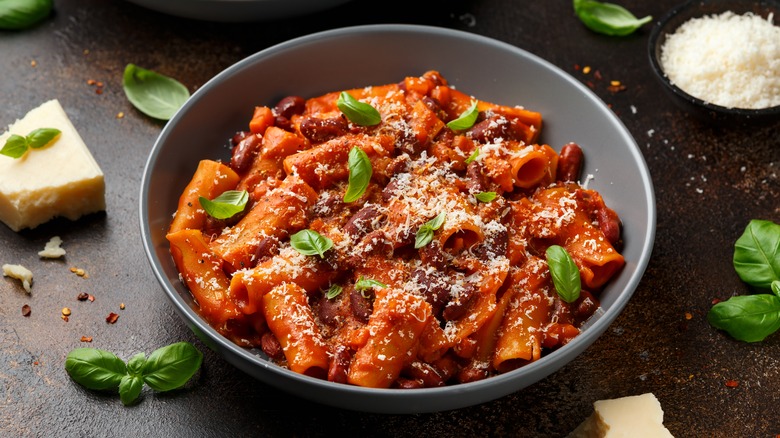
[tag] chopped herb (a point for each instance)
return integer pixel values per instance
(473, 156)
(333, 292)
(368, 283)
(485, 196)
(153, 94)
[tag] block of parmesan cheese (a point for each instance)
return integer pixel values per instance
(636, 416)
(61, 179)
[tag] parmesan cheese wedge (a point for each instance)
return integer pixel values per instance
(637, 416)
(61, 179)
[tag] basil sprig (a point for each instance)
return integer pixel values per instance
(153, 94)
(16, 145)
(226, 205)
(356, 111)
(751, 318)
(167, 368)
(368, 283)
(21, 14)
(360, 172)
(333, 291)
(310, 242)
(485, 196)
(565, 273)
(466, 119)
(425, 233)
(473, 156)
(608, 18)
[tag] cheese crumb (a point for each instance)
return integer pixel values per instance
(52, 250)
(637, 416)
(727, 59)
(20, 273)
(61, 179)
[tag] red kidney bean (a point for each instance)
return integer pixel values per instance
(360, 222)
(329, 311)
(290, 106)
(237, 137)
(472, 374)
(457, 309)
(490, 129)
(339, 365)
(425, 373)
(609, 223)
(435, 288)
(569, 163)
(475, 181)
(319, 130)
(245, 152)
(271, 346)
(267, 247)
(361, 306)
(432, 254)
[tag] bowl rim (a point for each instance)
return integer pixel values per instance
(475, 392)
(653, 50)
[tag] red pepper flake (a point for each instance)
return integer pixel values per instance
(64, 318)
(83, 296)
(597, 75)
(26, 310)
(112, 317)
(732, 383)
(577, 67)
(86, 339)
(586, 69)
(33, 63)
(98, 90)
(715, 301)
(91, 82)
(80, 272)
(91, 298)
(616, 87)
(688, 315)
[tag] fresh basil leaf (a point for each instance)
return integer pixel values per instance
(368, 283)
(485, 196)
(226, 205)
(565, 273)
(472, 157)
(360, 172)
(749, 318)
(310, 242)
(15, 146)
(757, 254)
(41, 137)
(136, 364)
(21, 14)
(358, 112)
(333, 292)
(608, 18)
(172, 366)
(776, 287)
(466, 119)
(95, 369)
(130, 388)
(153, 94)
(425, 233)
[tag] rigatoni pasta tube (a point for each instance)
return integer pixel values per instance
(211, 179)
(291, 320)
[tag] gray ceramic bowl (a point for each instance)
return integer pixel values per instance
(234, 11)
(379, 54)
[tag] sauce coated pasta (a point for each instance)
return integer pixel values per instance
(431, 272)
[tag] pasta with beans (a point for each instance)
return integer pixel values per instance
(430, 272)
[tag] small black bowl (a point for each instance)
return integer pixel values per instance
(669, 23)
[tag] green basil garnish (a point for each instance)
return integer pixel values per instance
(16, 145)
(153, 94)
(485, 196)
(358, 112)
(565, 273)
(333, 291)
(368, 283)
(21, 14)
(608, 18)
(425, 233)
(310, 242)
(360, 172)
(226, 205)
(751, 318)
(473, 156)
(167, 368)
(466, 119)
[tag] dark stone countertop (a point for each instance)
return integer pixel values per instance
(709, 182)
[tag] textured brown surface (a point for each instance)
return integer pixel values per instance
(709, 181)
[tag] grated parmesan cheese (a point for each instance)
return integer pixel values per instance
(20, 273)
(728, 59)
(52, 250)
